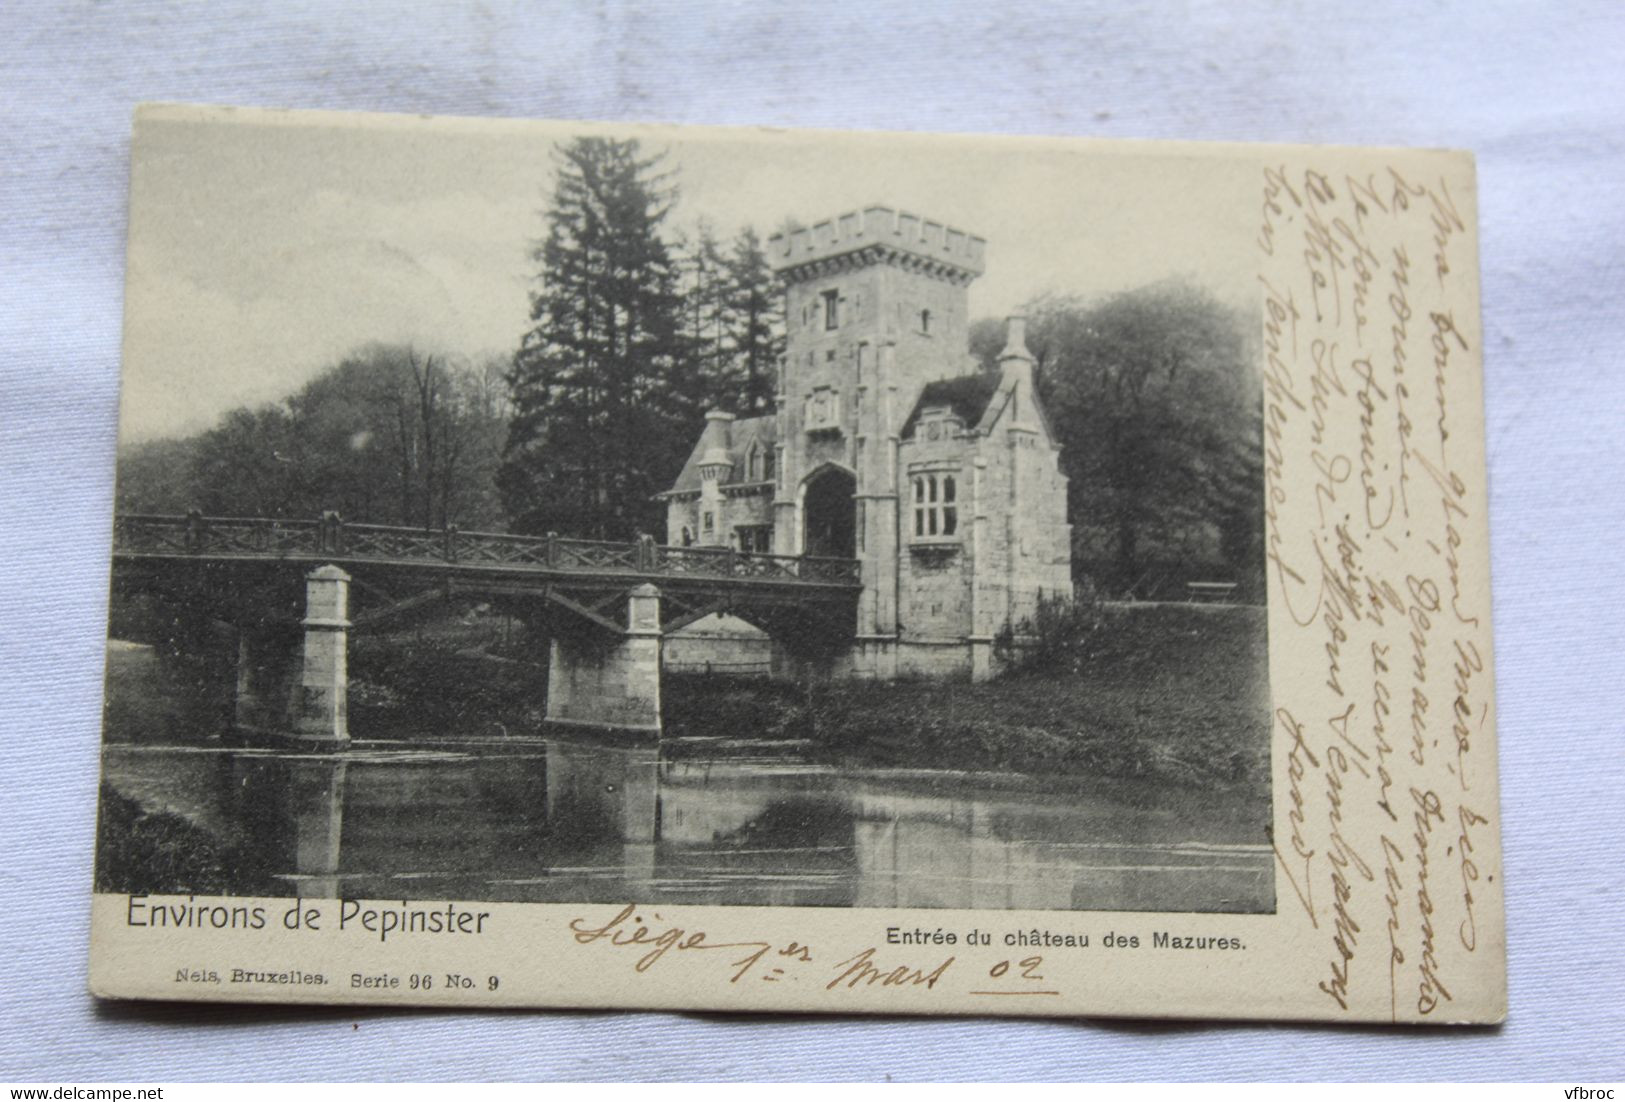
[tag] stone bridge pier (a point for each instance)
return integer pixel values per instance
(595, 679)
(295, 679)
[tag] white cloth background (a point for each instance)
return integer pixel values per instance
(1537, 90)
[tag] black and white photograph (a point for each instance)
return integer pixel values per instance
(700, 542)
(579, 514)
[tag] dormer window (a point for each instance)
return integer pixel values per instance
(937, 423)
(759, 464)
(936, 507)
(832, 309)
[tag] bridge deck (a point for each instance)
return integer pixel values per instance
(487, 555)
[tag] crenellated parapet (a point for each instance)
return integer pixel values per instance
(877, 234)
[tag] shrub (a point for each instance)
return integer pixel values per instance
(1055, 637)
(155, 852)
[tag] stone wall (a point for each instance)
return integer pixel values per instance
(945, 658)
(729, 512)
(1040, 540)
(682, 513)
(720, 644)
(934, 586)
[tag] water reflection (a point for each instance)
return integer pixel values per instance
(291, 812)
(566, 822)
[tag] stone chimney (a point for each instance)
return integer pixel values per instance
(1016, 364)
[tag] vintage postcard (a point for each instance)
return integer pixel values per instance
(589, 565)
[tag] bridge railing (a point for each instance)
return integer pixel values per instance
(195, 534)
(723, 562)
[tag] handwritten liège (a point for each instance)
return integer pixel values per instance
(651, 938)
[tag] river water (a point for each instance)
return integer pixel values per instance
(502, 816)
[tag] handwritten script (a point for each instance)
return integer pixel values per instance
(649, 940)
(1378, 569)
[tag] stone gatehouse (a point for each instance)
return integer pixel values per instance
(892, 446)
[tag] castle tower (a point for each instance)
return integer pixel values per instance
(875, 310)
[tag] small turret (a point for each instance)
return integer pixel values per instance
(716, 464)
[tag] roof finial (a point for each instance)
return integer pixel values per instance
(1015, 341)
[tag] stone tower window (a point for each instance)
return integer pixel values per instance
(936, 507)
(832, 309)
(925, 321)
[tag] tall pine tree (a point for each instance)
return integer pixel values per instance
(733, 319)
(706, 294)
(755, 324)
(605, 399)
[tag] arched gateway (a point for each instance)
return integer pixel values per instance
(829, 513)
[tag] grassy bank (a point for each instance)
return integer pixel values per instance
(1144, 698)
(144, 852)
(1170, 694)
